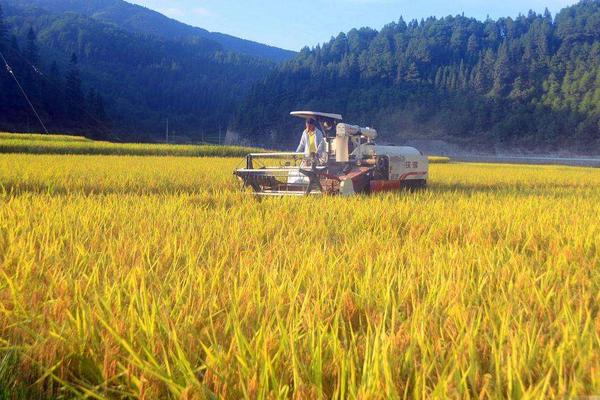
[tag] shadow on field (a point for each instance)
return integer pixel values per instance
(145, 188)
(511, 189)
(17, 189)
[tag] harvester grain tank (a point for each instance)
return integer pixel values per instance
(352, 163)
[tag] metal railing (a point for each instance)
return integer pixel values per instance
(252, 156)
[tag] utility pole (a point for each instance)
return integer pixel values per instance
(167, 136)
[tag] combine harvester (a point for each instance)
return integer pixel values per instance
(367, 168)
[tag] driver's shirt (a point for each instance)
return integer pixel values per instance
(312, 142)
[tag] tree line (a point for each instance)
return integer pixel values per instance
(533, 81)
(62, 100)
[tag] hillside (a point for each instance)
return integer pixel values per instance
(533, 81)
(138, 19)
(142, 79)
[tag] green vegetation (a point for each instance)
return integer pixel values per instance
(66, 144)
(134, 149)
(439, 160)
(531, 81)
(63, 144)
(42, 137)
(86, 75)
(137, 19)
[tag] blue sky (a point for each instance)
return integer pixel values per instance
(294, 24)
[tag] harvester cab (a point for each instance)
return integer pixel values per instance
(353, 163)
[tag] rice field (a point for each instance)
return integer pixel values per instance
(156, 277)
(33, 143)
(66, 144)
(42, 137)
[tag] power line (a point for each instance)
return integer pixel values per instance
(80, 107)
(10, 71)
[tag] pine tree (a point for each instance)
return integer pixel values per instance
(452, 84)
(547, 15)
(448, 77)
(32, 51)
(3, 30)
(412, 74)
(89, 100)
(75, 104)
(31, 78)
(501, 71)
(95, 106)
(401, 24)
(339, 47)
(53, 95)
(462, 76)
(439, 75)
(457, 39)
(3, 76)
(99, 109)
(349, 68)
(491, 34)
(473, 45)
(18, 109)
(518, 91)
(478, 80)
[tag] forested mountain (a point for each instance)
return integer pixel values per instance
(138, 19)
(130, 82)
(530, 81)
(59, 97)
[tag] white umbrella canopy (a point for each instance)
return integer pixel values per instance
(316, 115)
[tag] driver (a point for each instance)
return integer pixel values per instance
(311, 143)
